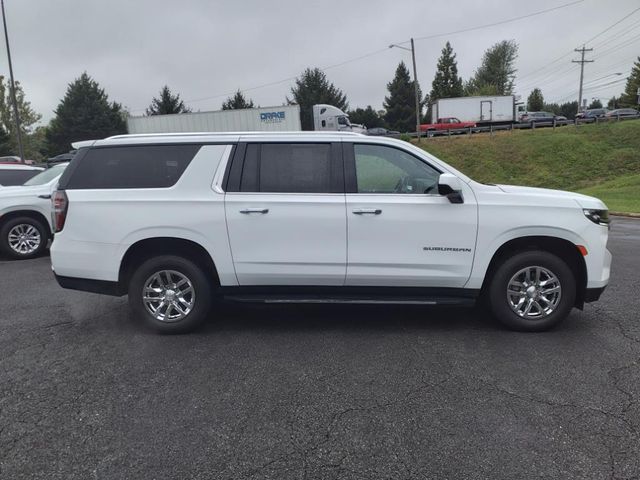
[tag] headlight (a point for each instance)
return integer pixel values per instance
(600, 217)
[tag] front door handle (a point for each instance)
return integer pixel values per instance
(45, 197)
(367, 211)
(254, 210)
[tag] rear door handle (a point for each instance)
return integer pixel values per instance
(367, 211)
(254, 210)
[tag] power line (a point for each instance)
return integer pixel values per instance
(376, 52)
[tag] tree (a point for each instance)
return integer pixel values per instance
(84, 113)
(613, 103)
(446, 83)
(595, 104)
(552, 107)
(28, 118)
(630, 96)
(400, 105)
(367, 117)
(237, 102)
(312, 88)
(535, 101)
(167, 104)
(497, 73)
(569, 109)
(5, 143)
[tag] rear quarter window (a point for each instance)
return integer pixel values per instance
(16, 177)
(140, 166)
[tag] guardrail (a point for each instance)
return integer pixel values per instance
(520, 126)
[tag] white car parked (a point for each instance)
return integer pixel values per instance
(25, 214)
(177, 221)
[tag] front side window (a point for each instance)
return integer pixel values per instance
(287, 168)
(383, 169)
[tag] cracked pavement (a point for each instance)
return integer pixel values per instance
(317, 392)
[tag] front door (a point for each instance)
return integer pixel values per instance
(286, 218)
(401, 231)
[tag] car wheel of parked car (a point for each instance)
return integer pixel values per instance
(23, 237)
(171, 293)
(532, 291)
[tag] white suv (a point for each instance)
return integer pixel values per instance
(177, 221)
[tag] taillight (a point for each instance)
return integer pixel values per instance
(60, 204)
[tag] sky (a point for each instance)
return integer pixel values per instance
(205, 50)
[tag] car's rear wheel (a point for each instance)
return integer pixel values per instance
(532, 291)
(170, 293)
(23, 237)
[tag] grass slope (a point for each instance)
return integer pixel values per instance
(601, 160)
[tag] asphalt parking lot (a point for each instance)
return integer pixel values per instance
(317, 392)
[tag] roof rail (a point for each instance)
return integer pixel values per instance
(208, 134)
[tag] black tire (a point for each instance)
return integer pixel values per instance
(497, 291)
(8, 226)
(199, 282)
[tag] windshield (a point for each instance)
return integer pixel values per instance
(46, 176)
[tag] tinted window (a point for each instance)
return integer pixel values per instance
(145, 166)
(382, 169)
(287, 168)
(16, 177)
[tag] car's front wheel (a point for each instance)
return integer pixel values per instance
(23, 237)
(171, 293)
(532, 291)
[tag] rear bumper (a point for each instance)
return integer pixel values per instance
(88, 285)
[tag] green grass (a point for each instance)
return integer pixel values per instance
(599, 160)
(621, 194)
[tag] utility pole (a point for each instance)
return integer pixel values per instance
(415, 83)
(582, 61)
(13, 86)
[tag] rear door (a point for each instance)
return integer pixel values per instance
(285, 209)
(401, 231)
(486, 111)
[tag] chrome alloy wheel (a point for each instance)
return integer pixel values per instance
(534, 292)
(24, 239)
(168, 296)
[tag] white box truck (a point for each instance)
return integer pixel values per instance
(283, 119)
(485, 110)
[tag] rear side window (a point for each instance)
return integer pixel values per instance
(16, 177)
(144, 166)
(288, 168)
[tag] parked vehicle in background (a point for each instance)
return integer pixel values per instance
(62, 158)
(178, 221)
(381, 132)
(622, 112)
(538, 117)
(450, 123)
(592, 113)
(25, 214)
(14, 159)
(481, 110)
(17, 174)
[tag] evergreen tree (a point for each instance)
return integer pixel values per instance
(167, 104)
(497, 73)
(446, 83)
(400, 105)
(630, 96)
(595, 104)
(84, 113)
(237, 102)
(28, 119)
(367, 117)
(5, 144)
(613, 103)
(569, 109)
(535, 101)
(311, 88)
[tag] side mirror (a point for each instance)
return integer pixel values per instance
(450, 186)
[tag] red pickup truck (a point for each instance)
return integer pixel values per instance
(447, 123)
